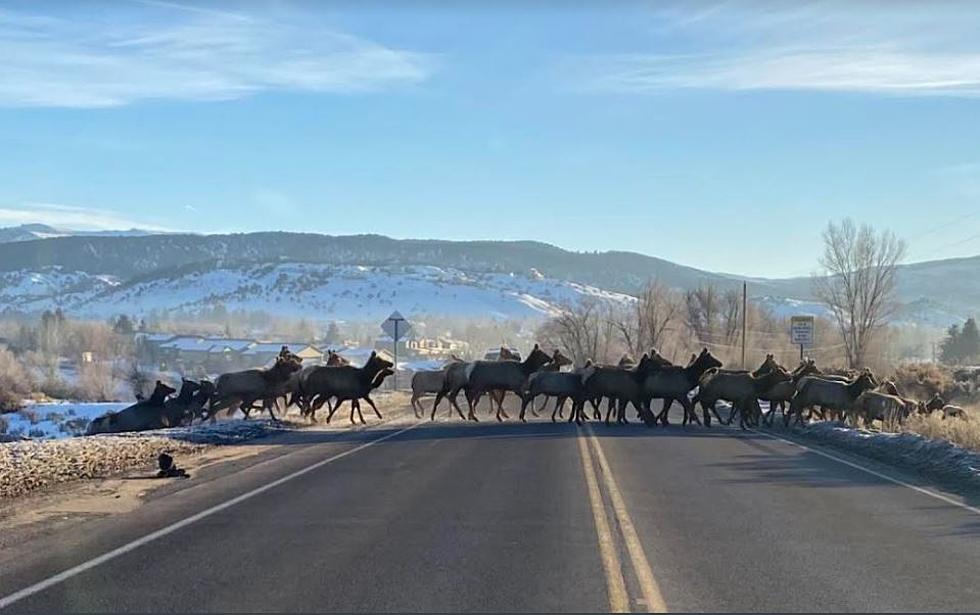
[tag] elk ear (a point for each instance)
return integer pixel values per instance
(536, 347)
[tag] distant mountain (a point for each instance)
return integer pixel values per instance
(122, 273)
(324, 292)
(29, 232)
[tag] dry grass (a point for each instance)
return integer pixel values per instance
(965, 433)
(923, 380)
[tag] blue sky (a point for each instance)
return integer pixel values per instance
(718, 135)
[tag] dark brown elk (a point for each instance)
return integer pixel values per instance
(356, 403)
(833, 395)
(141, 416)
(248, 386)
(345, 383)
(199, 403)
(672, 383)
(457, 376)
(782, 392)
(621, 387)
(741, 389)
(485, 376)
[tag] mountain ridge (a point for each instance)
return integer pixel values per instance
(128, 259)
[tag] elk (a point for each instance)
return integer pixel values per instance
(428, 381)
(560, 385)
(835, 395)
(485, 376)
(742, 389)
(558, 361)
(620, 386)
(250, 385)
(141, 416)
(782, 392)
(874, 404)
(345, 383)
(674, 383)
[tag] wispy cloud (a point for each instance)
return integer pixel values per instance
(163, 50)
(73, 217)
(911, 49)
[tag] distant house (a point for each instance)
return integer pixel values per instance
(420, 346)
(359, 355)
(225, 353)
(148, 346)
(493, 354)
(265, 353)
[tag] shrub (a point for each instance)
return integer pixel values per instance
(15, 382)
(56, 387)
(96, 382)
(923, 380)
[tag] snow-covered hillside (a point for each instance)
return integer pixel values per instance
(302, 290)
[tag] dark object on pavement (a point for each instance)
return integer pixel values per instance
(168, 469)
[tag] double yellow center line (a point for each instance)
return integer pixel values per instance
(619, 601)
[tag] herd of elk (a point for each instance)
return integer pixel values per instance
(702, 381)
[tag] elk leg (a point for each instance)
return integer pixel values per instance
(435, 404)
(455, 405)
(370, 402)
(500, 405)
(334, 409)
(357, 404)
(541, 408)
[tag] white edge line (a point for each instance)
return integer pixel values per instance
(139, 542)
(890, 479)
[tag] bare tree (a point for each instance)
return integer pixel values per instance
(731, 316)
(582, 331)
(644, 324)
(858, 284)
(702, 311)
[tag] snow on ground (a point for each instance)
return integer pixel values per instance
(940, 460)
(47, 421)
(323, 291)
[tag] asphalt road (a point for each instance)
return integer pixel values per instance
(506, 517)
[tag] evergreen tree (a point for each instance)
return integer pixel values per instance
(123, 325)
(949, 348)
(970, 341)
(332, 337)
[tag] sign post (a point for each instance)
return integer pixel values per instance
(802, 332)
(396, 326)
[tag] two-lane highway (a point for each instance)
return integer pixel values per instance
(452, 516)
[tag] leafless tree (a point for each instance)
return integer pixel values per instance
(583, 331)
(644, 324)
(702, 310)
(858, 282)
(731, 316)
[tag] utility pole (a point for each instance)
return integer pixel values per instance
(745, 315)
